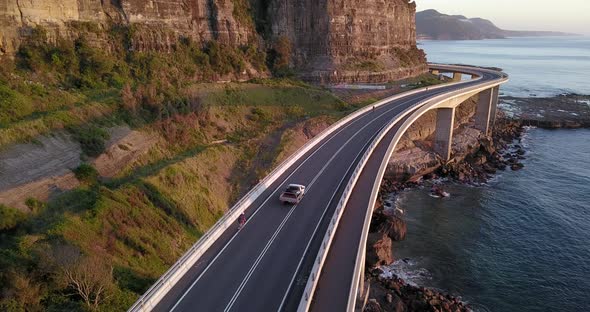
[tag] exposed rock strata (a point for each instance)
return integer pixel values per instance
(48, 165)
(159, 24)
(331, 41)
(337, 41)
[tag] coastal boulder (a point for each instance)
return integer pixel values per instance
(379, 250)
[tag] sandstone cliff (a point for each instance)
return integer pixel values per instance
(329, 40)
(159, 23)
(345, 40)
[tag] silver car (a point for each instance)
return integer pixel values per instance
(293, 194)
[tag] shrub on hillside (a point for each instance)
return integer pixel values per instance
(35, 205)
(13, 105)
(86, 173)
(10, 217)
(91, 138)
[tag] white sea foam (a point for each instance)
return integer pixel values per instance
(509, 109)
(408, 270)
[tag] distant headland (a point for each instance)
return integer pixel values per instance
(431, 24)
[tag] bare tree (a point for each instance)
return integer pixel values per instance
(91, 278)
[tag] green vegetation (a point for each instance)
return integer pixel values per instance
(127, 230)
(10, 218)
(421, 81)
(363, 65)
(86, 173)
(13, 105)
(92, 139)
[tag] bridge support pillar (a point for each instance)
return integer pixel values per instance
(494, 106)
(457, 76)
(483, 112)
(435, 72)
(443, 135)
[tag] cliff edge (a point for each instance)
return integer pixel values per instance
(320, 41)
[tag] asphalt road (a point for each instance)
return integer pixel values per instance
(264, 267)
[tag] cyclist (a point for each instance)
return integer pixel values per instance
(242, 220)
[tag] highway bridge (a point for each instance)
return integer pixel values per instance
(310, 256)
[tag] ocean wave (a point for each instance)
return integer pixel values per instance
(408, 270)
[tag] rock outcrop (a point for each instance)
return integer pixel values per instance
(386, 227)
(330, 41)
(335, 41)
(394, 294)
(158, 25)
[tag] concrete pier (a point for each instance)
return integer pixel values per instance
(457, 76)
(435, 72)
(443, 136)
(483, 111)
(494, 106)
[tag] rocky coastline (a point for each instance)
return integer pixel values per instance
(569, 111)
(503, 151)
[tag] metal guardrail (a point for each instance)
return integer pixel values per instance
(322, 254)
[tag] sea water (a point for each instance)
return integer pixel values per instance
(538, 66)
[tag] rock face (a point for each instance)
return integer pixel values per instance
(386, 227)
(331, 41)
(159, 24)
(346, 40)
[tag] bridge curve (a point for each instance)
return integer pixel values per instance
(340, 285)
(273, 263)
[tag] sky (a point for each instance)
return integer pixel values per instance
(563, 15)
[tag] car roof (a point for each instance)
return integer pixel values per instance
(295, 185)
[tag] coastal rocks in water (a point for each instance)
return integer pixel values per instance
(563, 111)
(379, 250)
(373, 306)
(394, 294)
(386, 222)
(477, 167)
(517, 167)
(385, 228)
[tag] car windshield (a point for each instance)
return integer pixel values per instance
(293, 188)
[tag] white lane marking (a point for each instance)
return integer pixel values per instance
(279, 187)
(269, 243)
(320, 222)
